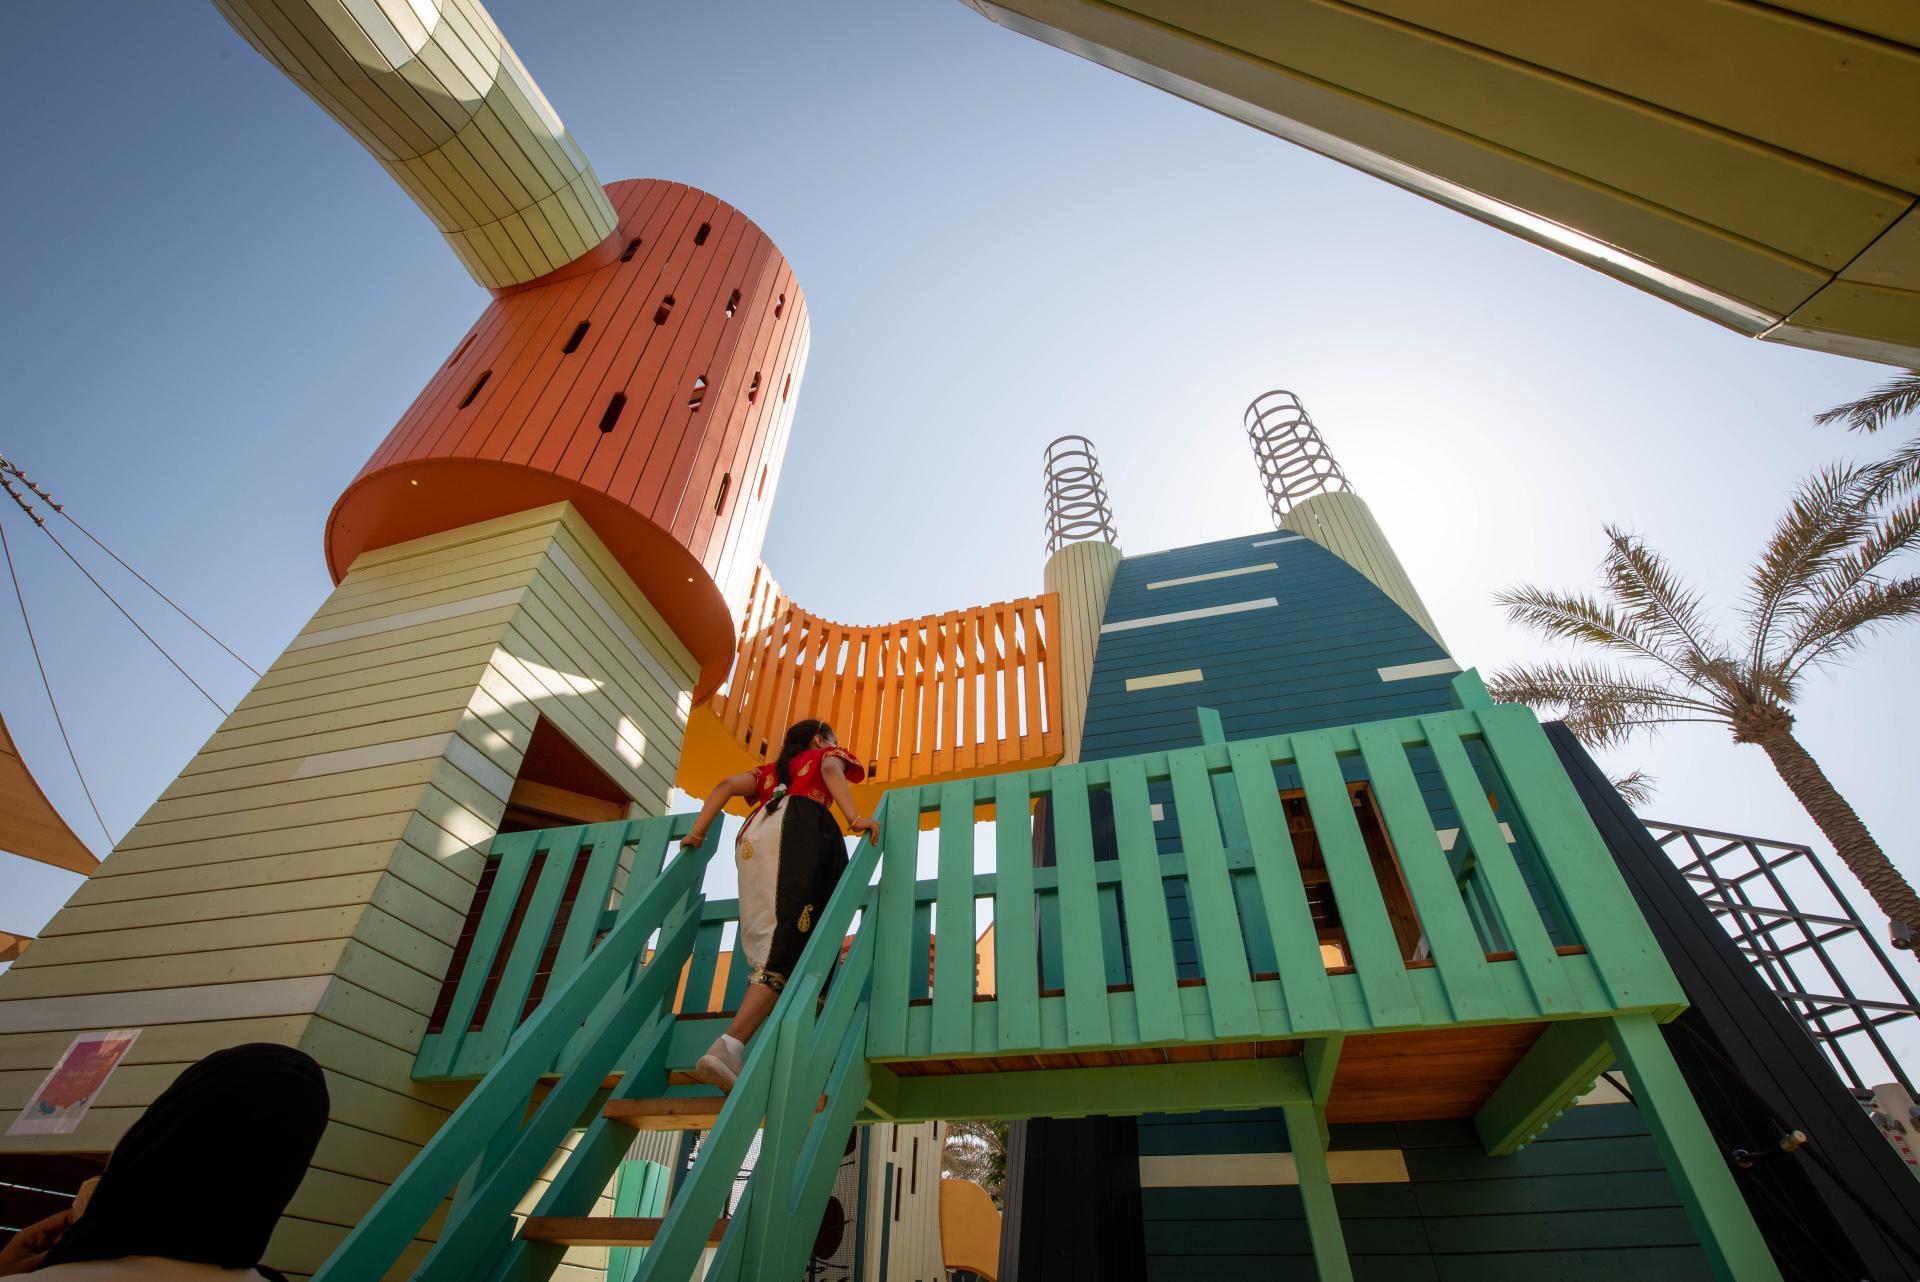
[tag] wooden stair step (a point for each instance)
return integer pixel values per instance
(690, 1113)
(602, 1230)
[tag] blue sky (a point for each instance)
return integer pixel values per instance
(217, 305)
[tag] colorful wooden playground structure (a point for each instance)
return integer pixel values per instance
(1219, 843)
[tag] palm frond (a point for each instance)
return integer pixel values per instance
(1656, 599)
(1847, 623)
(1600, 705)
(1895, 398)
(1830, 511)
(1636, 787)
(1899, 473)
(1829, 600)
(1571, 617)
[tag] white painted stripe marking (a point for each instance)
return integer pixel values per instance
(1268, 1170)
(1448, 836)
(1407, 671)
(1182, 616)
(248, 999)
(1182, 678)
(473, 763)
(373, 754)
(407, 619)
(1217, 574)
(1285, 538)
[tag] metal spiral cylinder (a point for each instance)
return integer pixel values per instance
(1294, 462)
(1077, 507)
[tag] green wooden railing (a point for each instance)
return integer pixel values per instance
(1094, 924)
(1491, 957)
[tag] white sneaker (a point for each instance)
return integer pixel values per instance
(719, 1067)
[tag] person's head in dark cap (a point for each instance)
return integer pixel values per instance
(205, 1173)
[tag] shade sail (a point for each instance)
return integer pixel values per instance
(29, 825)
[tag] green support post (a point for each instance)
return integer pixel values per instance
(1330, 1261)
(1720, 1218)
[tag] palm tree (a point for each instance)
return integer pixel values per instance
(1818, 590)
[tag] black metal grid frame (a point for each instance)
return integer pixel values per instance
(1804, 953)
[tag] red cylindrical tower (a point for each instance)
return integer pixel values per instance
(651, 383)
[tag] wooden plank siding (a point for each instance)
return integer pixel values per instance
(1589, 1199)
(1313, 660)
(306, 877)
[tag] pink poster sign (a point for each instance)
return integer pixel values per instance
(75, 1082)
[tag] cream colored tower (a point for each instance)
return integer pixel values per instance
(305, 879)
(1309, 496)
(1083, 556)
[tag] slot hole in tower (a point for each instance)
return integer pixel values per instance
(666, 310)
(573, 339)
(779, 306)
(612, 416)
(700, 237)
(633, 247)
(733, 301)
(753, 388)
(467, 342)
(720, 501)
(699, 393)
(474, 391)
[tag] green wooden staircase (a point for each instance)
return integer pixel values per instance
(590, 981)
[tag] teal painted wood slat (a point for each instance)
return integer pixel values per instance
(523, 958)
(893, 920)
(1084, 968)
(1455, 947)
(1498, 874)
(1216, 920)
(1616, 936)
(1016, 958)
(953, 961)
(589, 900)
(1370, 938)
(647, 840)
(512, 856)
(1296, 946)
(706, 959)
(604, 843)
(1156, 991)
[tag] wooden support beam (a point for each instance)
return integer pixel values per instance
(1304, 1128)
(682, 1113)
(602, 1230)
(1321, 1057)
(1084, 1092)
(1559, 1069)
(1719, 1214)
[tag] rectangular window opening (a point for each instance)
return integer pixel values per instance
(573, 339)
(699, 393)
(726, 483)
(666, 309)
(633, 247)
(700, 237)
(733, 302)
(753, 388)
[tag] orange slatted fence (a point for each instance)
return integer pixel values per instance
(941, 696)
